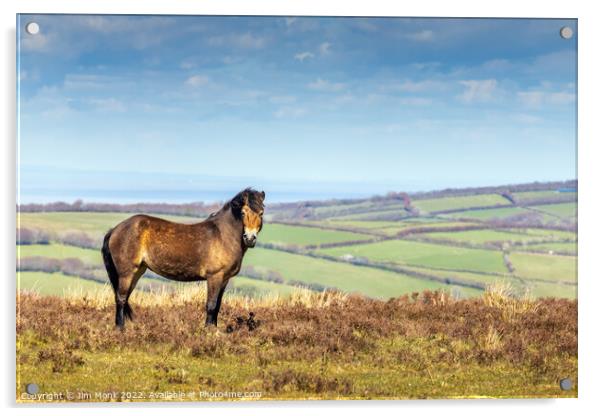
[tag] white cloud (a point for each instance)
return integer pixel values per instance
(107, 104)
(325, 48)
(290, 112)
(531, 98)
(229, 60)
(245, 41)
(71, 35)
(498, 65)
(103, 24)
(364, 23)
(422, 36)
(561, 97)
(376, 98)
(394, 128)
(187, 65)
(527, 118)
(420, 86)
(426, 65)
(478, 90)
(139, 32)
(538, 98)
(323, 85)
(35, 43)
(415, 101)
(302, 56)
(344, 99)
(116, 24)
(197, 81)
(249, 41)
(91, 81)
(282, 99)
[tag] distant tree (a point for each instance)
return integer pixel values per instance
(78, 204)
(25, 236)
(38, 264)
(508, 195)
(32, 236)
(79, 239)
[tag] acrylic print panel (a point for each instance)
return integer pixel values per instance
(295, 208)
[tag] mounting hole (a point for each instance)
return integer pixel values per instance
(566, 32)
(32, 388)
(566, 384)
(32, 28)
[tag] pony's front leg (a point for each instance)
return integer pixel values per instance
(215, 291)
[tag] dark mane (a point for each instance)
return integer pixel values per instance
(254, 201)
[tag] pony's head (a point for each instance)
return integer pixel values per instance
(247, 206)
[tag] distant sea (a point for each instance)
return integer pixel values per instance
(172, 196)
(47, 184)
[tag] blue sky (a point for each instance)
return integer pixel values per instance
(346, 106)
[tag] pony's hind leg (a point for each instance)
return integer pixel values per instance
(127, 283)
(129, 314)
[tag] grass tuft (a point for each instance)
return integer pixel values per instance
(502, 296)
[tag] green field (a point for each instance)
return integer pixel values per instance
(545, 267)
(347, 277)
(487, 214)
(367, 225)
(549, 213)
(552, 235)
(568, 209)
(555, 247)
(459, 202)
(254, 287)
(60, 251)
(534, 195)
(425, 254)
(411, 225)
(336, 209)
(374, 215)
(471, 277)
(436, 258)
(364, 207)
(389, 228)
(302, 236)
(520, 286)
(555, 290)
(483, 236)
(94, 223)
(56, 283)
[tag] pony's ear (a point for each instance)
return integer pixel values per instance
(236, 204)
(262, 196)
(245, 198)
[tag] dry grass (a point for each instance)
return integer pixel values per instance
(501, 295)
(316, 344)
(196, 294)
(492, 340)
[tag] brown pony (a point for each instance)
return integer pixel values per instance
(211, 250)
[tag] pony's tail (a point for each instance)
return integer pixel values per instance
(113, 275)
(109, 265)
(127, 311)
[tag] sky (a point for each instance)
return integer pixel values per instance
(179, 108)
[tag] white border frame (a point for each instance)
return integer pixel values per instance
(590, 290)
